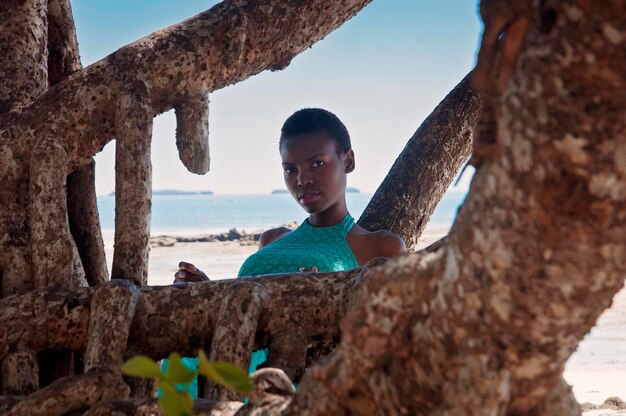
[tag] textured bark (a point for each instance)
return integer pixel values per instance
(20, 373)
(180, 317)
(63, 55)
(169, 69)
(151, 407)
(272, 391)
(112, 312)
(288, 351)
(23, 52)
(426, 167)
(235, 328)
(85, 223)
(53, 250)
(192, 133)
(133, 191)
(63, 61)
(483, 325)
(72, 394)
(486, 324)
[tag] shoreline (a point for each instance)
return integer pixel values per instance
(218, 254)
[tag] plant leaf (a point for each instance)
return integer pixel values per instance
(142, 366)
(224, 373)
(174, 403)
(176, 372)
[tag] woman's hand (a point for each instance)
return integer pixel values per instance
(188, 273)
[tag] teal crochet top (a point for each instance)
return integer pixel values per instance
(307, 246)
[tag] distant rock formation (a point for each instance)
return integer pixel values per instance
(175, 192)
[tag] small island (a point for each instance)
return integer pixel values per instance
(349, 189)
(175, 192)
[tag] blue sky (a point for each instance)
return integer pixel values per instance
(382, 73)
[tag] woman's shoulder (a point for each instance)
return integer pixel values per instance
(389, 243)
(380, 243)
(269, 236)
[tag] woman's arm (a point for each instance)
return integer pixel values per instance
(272, 235)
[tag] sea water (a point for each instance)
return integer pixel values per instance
(199, 214)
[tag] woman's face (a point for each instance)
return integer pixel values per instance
(314, 173)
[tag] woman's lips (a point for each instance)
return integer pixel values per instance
(309, 197)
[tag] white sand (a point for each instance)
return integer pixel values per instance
(597, 370)
(219, 260)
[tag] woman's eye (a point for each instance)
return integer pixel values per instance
(318, 163)
(289, 171)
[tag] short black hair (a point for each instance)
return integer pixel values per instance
(315, 120)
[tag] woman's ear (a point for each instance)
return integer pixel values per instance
(349, 161)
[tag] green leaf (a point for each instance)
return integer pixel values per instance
(142, 366)
(177, 373)
(174, 403)
(223, 373)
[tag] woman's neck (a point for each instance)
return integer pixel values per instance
(332, 216)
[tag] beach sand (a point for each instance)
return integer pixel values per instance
(218, 259)
(597, 370)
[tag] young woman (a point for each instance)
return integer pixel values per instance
(316, 158)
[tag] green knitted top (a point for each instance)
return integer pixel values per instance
(306, 246)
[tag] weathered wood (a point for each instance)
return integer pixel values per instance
(485, 324)
(85, 223)
(113, 308)
(20, 373)
(192, 133)
(235, 327)
(63, 55)
(272, 391)
(52, 245)
(72, 393)
(23, 53)
(288, 351)
(133, 189)
(150, 407)
(176, 318)
(422, 173)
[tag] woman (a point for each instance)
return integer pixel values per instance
(316, 158)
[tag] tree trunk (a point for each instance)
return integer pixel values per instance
(85, 223)
(63, 61)
(485, 325)
(426, 167)
(38, 47)
(23, 53)
(482, 326)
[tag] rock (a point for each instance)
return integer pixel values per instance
(613, 403)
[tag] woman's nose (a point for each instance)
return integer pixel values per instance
(304, 179)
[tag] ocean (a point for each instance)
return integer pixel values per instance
(196, 214)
